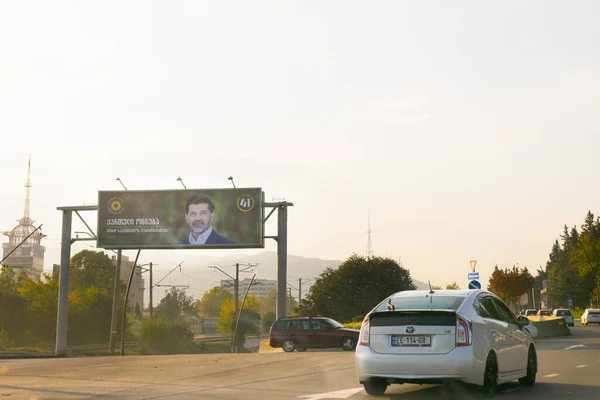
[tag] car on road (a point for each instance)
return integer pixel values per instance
(530, 312)
(544, 313)
(590, 316)
(302, 333)
(426, 336)
(566, 314)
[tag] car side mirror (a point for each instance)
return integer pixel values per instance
(522, 321)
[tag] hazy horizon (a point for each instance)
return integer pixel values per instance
(464, 128)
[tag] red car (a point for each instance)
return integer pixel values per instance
(301, 333)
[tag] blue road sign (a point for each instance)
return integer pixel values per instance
(473, 276)
(474, 285)
(570, 300)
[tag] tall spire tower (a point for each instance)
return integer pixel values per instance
(27, 189)
(24, 250)
(369, 244)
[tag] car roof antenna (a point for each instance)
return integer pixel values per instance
(430, 289)
(390, 306)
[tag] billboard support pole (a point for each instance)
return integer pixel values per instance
(63, 291)
(281, 261)
(115, 304)
(281, 238)
(65, 259)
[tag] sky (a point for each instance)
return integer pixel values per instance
(468, 129)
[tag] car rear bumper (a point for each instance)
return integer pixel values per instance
(458, 364)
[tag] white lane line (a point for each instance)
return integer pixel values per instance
(574, 347)
(340, 394)
(581, 366)
(551, 375)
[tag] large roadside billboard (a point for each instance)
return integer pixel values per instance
(180, 219)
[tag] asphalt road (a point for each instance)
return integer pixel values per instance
(568, 370)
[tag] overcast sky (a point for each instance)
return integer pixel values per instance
(470, 129)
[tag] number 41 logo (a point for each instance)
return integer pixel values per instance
(245, 203)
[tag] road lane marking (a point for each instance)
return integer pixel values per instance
(581, 366)
(574, 347)
(551, 375)
(340, 394)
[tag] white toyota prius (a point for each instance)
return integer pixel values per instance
(425, 336)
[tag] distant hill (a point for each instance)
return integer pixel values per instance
(298, 266)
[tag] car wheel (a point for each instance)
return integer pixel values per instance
(300, 349)
(288, 346)
(375, 386)
(348, 344)
(529, 379)
(490, 376)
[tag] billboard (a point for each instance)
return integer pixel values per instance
(180, 219)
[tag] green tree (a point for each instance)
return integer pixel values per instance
(210, 303)
(41, 298)
(91, 268)
(435, 287)
(175, 304)
(358, 285)
(453, 286)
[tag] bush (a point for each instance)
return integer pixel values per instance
(352, 325)
(161, 335)
(358, 318)
(267, 320)
(5, 340)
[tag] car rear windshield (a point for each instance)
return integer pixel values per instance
(425, 302)
(563, 313)
(595, 312)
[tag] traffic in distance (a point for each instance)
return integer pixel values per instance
(558, 312)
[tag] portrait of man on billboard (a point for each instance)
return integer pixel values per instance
(199, 214)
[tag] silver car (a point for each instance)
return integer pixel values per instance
(425, 336)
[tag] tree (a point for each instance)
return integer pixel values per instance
(249, 318)
(453, 286)
(510, 284)
(175, 304)
(91, 268)
(210, 303)
(353, 289)
(434, 287)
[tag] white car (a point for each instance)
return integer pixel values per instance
(566, 314)
(422, 336)
(590, 316)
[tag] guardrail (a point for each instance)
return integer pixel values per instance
(251, 341)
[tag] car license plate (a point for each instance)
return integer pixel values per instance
(402, 340)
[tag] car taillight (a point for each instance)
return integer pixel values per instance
(463, 332)
(364, 332)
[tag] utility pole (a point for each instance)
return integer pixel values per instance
(289, 302)
(236, 288)
(115, 305)
(151, 303)
(299, 291)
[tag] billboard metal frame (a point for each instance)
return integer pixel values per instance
(65, 259)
